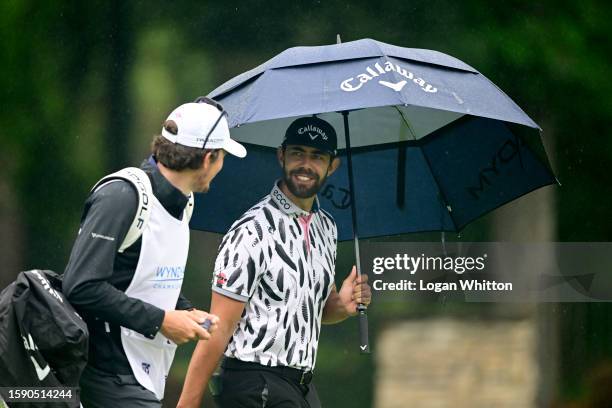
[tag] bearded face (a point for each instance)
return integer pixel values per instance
(303, 183)
(305, 170)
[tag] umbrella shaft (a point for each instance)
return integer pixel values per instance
(364, 341)
(357, 257)
(349, 163)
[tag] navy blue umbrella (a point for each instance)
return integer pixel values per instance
(433, 144)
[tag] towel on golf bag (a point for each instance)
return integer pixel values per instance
(43, 341)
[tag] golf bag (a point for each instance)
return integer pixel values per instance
(43, 341)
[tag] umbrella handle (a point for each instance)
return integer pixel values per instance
(364, 340)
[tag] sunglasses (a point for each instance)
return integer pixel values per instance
(212, 102)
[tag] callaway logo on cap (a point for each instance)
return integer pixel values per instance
(202, 125)
(312, 131)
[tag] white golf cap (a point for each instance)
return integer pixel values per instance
(194, 121)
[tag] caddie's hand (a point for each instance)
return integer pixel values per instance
(208, 321)
(355, 290)
(180, 326)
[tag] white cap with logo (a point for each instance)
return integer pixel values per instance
(195, 121)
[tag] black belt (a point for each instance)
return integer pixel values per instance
(301, 377)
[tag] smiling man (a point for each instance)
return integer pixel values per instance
(273, 286)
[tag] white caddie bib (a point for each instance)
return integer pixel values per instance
(157, 280)
(158, 277)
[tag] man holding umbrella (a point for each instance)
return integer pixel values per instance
(127, 264)
(273, 285)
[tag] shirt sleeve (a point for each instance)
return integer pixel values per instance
(108, 214)
(240, 263)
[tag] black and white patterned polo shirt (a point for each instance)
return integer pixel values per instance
(280, 260)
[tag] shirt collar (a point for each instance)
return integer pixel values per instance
(286, 205)
(170, 197)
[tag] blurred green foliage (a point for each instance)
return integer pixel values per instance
(85, 85)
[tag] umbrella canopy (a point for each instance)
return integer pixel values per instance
(434, 143)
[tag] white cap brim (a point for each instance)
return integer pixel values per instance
(194, 121)
(234, 148)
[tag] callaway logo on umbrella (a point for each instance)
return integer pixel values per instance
(354, 83)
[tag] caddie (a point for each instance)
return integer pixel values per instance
(128, 261)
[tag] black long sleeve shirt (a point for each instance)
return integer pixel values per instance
(97, 276)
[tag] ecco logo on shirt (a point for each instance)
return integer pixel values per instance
(280, 198)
